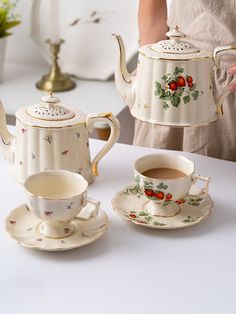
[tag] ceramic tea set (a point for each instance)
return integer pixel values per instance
(174, 83)
(52, 136)
(49, 220)
(173, 86)
(164, 200)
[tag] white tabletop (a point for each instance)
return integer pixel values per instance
(130, 269)
(18, 89)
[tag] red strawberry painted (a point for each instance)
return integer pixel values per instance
(160, 195)
(173, 85)
(190, 85)
(181, 81)
(132, 216)
(189, 79)
(180, 201)
(149, 192)
(168, 196)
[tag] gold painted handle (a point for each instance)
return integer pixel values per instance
(114, 124)
(205, 189)
(94, 212)
(218, 53)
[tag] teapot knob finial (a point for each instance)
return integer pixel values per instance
(175, 35)
(50, 100)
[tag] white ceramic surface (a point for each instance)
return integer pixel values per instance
(57, 197)
(161, 194)
(174, 82)
(129, 205)
(53, 143)
(22, 226)
(86, 26)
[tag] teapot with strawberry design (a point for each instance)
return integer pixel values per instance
(51, 136)
(174, 82)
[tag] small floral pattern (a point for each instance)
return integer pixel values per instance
(176, 88)
(69, 206)
(65, 152)
(48, 138)
(190, 219)
(144, 218)
(48, 213)
(66, 230)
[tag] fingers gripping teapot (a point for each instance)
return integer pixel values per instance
(51, 136)
(174, 83)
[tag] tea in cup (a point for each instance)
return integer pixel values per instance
(56, 197)
(165, 180)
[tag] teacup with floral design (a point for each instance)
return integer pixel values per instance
(165, 180)
(56, 197)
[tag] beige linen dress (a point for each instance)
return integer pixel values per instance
(208, 24)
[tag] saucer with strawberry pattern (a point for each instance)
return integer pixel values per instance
(129, 205)
(22, 226)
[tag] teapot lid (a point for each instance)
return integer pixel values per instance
(174, 48)
(174, 44)
(50, 109)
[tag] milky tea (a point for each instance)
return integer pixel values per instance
(164, 173)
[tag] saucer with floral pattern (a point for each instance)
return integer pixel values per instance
(22, 226)
(129, 205)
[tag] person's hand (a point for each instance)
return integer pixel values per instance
(232, 71)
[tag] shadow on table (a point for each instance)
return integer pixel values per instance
(105, 245)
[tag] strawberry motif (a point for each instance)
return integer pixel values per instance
(181, 81)
(168, 196)
(189, 79)
(160, 195)
(173, 86)
(132, 216)
(180, 201)
(149, 192)
(190, 85)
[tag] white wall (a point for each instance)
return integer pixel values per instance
(20, 47)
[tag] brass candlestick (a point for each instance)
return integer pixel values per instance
(55, 80)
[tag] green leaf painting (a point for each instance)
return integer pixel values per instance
(176, 88)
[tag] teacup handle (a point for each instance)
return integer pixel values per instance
(94, 212)
(205, 189)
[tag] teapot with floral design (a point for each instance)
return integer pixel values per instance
(52, 136)
(174, 82)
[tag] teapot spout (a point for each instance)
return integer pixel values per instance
(7, 140)
(123, 79)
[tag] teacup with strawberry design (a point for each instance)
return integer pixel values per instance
(165, 180)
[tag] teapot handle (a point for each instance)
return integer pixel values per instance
(114, 124)
(218, 53)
